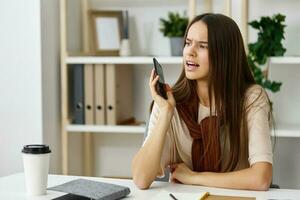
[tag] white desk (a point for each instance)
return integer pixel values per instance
(13, 187)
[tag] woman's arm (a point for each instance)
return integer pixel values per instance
(256, 177)
(146, 163)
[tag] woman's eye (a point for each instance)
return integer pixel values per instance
(203, 46)
(187, 43)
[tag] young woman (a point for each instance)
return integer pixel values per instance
(214, 128)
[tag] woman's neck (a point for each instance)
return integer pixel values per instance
(203, 94)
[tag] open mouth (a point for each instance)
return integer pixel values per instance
(191, 65)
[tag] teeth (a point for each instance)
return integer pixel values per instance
(191, 63)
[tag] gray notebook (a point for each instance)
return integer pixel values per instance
(93, 189)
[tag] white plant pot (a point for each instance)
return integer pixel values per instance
(125, 48)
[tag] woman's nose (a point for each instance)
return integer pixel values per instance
(191, 51)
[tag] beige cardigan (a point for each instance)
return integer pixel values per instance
(178, 142)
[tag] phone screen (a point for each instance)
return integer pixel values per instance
(160, 86)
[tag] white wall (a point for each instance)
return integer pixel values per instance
(20, 81)
(29, 80)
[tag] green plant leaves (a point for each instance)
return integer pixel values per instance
(255, 24)
(174, 26)
(272, 85)
(270, 35)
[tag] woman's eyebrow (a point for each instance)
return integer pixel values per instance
(201, 42)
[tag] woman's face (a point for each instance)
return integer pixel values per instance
(195, 52)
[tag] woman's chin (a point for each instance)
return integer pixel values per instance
(191, 75)
(195, 76)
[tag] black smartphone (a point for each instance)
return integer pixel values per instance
(160, 85)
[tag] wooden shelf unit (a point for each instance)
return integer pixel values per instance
(106, 129)
(121, 60)
(282, 131)
(162, 60)
(285, 60)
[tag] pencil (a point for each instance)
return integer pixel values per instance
(206, 194)
(173, 197)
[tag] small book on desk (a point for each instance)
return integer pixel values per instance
(82, 189)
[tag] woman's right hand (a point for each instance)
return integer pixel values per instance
(163, 104)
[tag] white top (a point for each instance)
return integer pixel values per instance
(178, 142)
(13, 188)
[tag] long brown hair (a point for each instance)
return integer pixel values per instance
(229, 78)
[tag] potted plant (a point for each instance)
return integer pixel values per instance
(270, 35)
(174, 27)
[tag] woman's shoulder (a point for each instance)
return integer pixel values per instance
(256, 95)
(255, 88)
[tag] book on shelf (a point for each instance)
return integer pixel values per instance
(99, 94)
(119, 104)
(89, 93)
(76, 93)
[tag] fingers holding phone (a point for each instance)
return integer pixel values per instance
(169, 94)
(161, 92)
(152, 84)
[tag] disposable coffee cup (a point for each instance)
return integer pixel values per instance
(36, 166)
